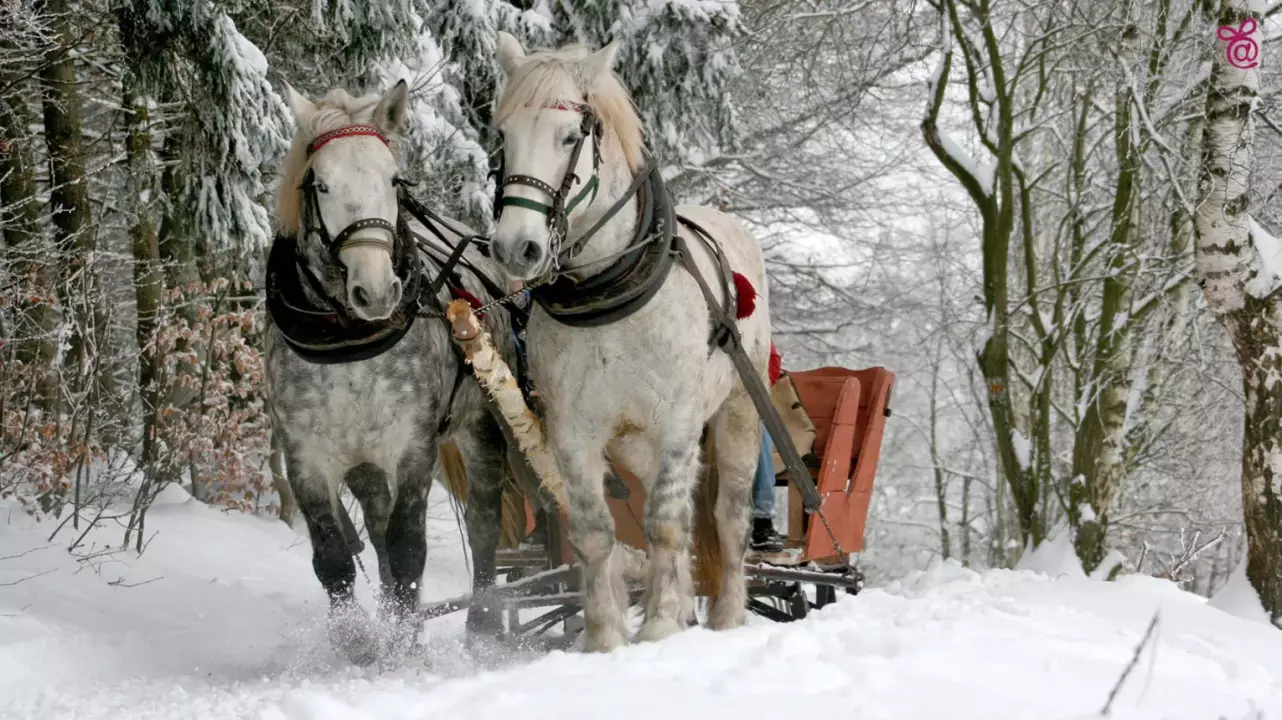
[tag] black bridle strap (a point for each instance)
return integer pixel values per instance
(447, 268)
(312, 216)
(429, 220)
(343, 241)
(557, 213)
(632, 190)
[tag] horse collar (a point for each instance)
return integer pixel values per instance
(325, 333)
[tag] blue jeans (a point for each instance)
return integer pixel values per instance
(763, 484)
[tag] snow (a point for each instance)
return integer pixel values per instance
(1055, 557)
(1023, 448)
(249, 52)
(1112, 560)
(1268, 252)
(981, 171)
(1238, 598)
(230, 627)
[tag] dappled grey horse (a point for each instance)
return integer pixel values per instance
(362, 389)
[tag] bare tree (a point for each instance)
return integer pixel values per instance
(1237, 262)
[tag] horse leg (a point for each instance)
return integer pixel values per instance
(407, 540)
(591, 535)
(737, 434)
(369, 484)
(349, 627)
(669, 601)
(485, 453)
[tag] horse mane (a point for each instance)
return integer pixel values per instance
(337, 109)
(550, 76)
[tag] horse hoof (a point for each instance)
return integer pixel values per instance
(655, 630)
(603, 641)
(351, 634)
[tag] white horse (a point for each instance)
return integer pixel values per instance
(643, 385)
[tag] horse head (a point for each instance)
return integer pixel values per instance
(338, 196)
(568, 129)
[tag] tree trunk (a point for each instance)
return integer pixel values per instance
(1241, 293)
(941, 483)
(179, 253)
(996, 204)
(149, 281)
(69, 199)
(25, 245)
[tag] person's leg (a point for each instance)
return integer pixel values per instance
(764, 536)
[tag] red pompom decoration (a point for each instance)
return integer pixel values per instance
(745, 297)
(461, 294)
(775, 369)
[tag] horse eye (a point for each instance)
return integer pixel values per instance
(570, 141)
(320, 186)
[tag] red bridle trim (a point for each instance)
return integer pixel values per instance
(343, 132)
(569, 105)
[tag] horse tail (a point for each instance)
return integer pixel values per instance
(454, 471)
(512, 519)
(706, 569)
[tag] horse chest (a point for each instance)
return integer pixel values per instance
(369, 411)
(642, 367)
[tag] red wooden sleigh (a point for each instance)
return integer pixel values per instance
(848, 410)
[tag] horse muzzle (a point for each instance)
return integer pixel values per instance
(521, 254)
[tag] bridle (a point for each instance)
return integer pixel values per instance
(557, 213)
(313, 224)
(403, 250)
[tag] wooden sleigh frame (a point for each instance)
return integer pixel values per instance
(848, 411)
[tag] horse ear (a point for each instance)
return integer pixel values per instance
(390, 113)
(299, 105)
(510, 52)
(601, 62)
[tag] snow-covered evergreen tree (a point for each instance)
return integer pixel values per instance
(442, 153)
(675, 57)
(230, 123)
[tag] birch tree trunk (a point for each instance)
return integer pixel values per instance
(1241, 291)
(1098, 467)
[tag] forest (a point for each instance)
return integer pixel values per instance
(1056, 221)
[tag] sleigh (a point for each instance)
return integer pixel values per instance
(835, 418)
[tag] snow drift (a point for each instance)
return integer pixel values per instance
(222, 618)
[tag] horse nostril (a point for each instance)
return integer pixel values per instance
(531, 252)
(359, 297)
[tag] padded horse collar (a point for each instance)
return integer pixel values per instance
(319, 329)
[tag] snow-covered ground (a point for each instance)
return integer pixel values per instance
(222, 618)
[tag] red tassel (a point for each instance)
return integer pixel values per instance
(471, 299)
(745, 297)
